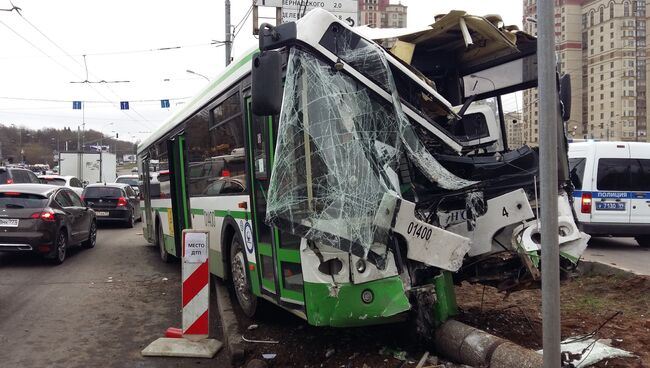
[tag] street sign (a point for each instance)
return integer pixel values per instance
(164, 104)
(350, 6)
(345, 10)
(124, 105)
(76, 105)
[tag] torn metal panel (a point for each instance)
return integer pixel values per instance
(504, 210)
(428, 244)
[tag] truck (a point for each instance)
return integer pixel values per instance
(89, 167)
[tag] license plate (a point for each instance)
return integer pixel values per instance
(101, 213)
(8, 222)
(610, 206)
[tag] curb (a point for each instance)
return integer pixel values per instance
(229, 324)
(603, 269)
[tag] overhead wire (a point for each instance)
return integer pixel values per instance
(144, 119)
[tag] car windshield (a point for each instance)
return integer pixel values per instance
(102, 192)
(22, 200)
(131, 181)
(54, 181)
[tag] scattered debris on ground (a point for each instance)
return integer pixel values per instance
(587, 302)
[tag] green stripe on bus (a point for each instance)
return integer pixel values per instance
(289, 255)
(234, 214)
(264, 249)
(346, 309)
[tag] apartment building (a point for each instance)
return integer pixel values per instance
(602, 44)
(514, 129)
(382, 14)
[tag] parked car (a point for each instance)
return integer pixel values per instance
(11, 175)
(132, 180)
(71, 182)
(44, 219)
(226, 185)
(113, 202)
(612, 188)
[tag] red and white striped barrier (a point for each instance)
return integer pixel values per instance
(196, 285)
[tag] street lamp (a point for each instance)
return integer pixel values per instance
(199, 74)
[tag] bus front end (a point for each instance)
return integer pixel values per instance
(394, 170)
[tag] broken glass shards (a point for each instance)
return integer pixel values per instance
(336, 152)
(338, 147)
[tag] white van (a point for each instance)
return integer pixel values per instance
(612, 188)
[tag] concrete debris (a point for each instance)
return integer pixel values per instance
(329, 353)
(256, 363)
(269, 356)
(252, 327)
(395, 353)
(260, 341)
(165, 279)
(423, 360)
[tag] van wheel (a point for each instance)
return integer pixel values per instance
(164, 256)
(643, 240)
(247, 300)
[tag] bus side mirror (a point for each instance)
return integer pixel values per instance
(266, 91)
(565, 96)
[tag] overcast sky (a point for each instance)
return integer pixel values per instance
(42, 54)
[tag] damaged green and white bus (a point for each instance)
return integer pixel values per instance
(351, 181)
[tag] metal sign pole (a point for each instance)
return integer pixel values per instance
(548, 120)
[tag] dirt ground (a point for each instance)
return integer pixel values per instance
(586, 303)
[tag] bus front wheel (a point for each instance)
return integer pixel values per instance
(247, 300)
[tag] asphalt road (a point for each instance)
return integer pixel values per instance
(98, 309)
(620, 252)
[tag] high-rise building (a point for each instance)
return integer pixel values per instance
(602, 45)
(382, 14)
(514, 129)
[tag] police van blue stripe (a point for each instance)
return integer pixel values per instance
(614, 195)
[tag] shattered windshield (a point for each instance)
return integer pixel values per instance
(337, 154)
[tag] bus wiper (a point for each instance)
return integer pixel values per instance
(468, 102)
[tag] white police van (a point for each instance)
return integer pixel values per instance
(612, 188)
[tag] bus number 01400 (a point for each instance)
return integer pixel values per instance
(419, 231)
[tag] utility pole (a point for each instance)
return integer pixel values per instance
(78, 138)
(548, 149)
(228, 42)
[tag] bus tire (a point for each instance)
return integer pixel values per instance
(240, 280)
(160, 239)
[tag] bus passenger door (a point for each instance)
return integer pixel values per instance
(145, 195)
(279, 271)
(179, 195)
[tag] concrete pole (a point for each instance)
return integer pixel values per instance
(228, 42)
(548, 148)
